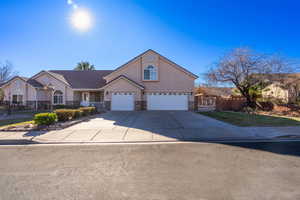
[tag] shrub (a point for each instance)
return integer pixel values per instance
(69, 114)
(65, 114)
(45, 118)
(88, 110)
(78, 113)
(266, 105)
(248, 110)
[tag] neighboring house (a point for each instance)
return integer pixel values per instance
(278, 91)
(282, 87)
(147, 82)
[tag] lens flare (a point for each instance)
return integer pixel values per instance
(81, 20)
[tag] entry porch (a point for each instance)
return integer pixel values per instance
(90, 98)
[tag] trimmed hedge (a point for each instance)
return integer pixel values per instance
(69, 114)
(65, 114)
(88, 110)
(45, 118)
(78, 113)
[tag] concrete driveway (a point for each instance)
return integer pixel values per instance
(146, 126)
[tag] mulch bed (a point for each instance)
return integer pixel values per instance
(288, 111)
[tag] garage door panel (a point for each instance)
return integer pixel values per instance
(122, 102)
(167, 102)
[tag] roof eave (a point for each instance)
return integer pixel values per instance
(125, 78)
(87, 89)
(43, 71)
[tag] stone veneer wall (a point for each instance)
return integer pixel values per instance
(107, 105)
(31, 104)
(196, 104)
(41, 105)
(144, 105)
(191, 105)
(138, 105)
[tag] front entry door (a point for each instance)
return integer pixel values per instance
(85, 99)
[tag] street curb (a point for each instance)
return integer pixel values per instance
(17, 142)
(30, 142)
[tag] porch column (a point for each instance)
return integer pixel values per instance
(66, 95)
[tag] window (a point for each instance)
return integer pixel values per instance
(17, 99)
(150, 73)
(58, 97)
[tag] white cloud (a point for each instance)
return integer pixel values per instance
(70, 2)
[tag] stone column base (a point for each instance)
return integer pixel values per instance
(191, 106)
(138, 105)
(107, 105)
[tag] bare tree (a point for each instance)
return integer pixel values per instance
(1, 95)
(247, 70)
(6, 71)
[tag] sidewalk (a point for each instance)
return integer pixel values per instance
(124, 134)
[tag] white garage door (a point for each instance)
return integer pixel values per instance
(167, 102)
(122, 101)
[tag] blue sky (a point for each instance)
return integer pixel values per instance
(37, 35)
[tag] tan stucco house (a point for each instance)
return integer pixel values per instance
(147, 82)
(283, 87)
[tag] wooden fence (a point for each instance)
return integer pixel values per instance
(206, 103)
(232, 103)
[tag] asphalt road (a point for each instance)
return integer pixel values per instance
(183, 171)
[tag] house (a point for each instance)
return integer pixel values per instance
(149, 81)
(284, 88)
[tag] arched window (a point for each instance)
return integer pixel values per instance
(150, 73)
(58, 97)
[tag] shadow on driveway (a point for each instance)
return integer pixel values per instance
(153, 126)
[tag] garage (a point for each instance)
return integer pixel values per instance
(122, 101)
(163, 101)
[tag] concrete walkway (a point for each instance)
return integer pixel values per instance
(149, 126)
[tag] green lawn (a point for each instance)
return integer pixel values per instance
(14, 121)
(244, 119)
(19, 119)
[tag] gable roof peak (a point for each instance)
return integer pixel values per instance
(173, 63)
(34, 83)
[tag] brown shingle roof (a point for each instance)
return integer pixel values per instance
(90, 79)
(35, 83)
(30, 81)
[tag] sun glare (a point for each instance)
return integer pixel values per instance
(81, 20)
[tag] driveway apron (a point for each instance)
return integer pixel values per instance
(119, 126)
